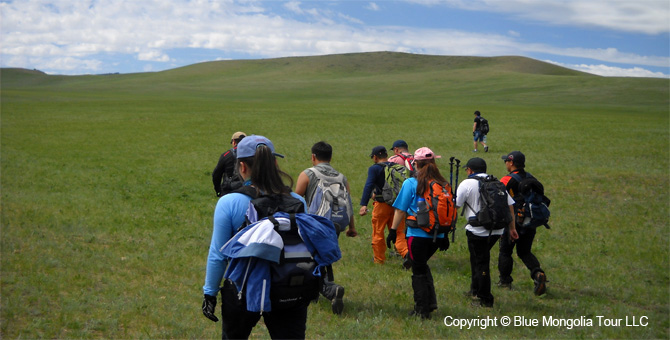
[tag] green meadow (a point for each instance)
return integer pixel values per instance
(107, 197)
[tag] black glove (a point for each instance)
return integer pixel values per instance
(473, 133)
(391, 238)
(443, 243)
(209, 306)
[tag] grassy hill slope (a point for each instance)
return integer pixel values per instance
(107, 198)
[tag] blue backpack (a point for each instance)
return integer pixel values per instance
(294, 278)
(531, 203)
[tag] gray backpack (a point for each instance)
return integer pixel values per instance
(331, 200)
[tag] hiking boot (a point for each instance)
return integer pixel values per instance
(337, 303)
(471, 294)
(407, 262)
(424, 316)
(507, 285)
(540, 284)
(479, 303)
(486, 148)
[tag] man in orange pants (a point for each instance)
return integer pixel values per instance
(382, 213)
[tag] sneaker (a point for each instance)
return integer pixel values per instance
(407, 262)
(507, 285)
(475, 150)
(540, 284)
(337, 303)
(486, 148)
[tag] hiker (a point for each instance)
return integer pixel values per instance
(515, 163)
(224, 176)
(480, 239)
(421, 244)
(382, 213)
(401, 155)
(258, 167)
(477, 133)
(307, 186)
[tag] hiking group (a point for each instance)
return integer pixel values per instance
(272, 249)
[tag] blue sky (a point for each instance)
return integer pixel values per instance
(605, 37)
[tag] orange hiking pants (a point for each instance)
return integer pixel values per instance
(382, 218)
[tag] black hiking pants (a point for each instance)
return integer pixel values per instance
(237, 322)
(420, 250)
(480, 258)
(523, 249)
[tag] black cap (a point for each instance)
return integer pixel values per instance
(476, 164)
(378, 151)
(515, 157)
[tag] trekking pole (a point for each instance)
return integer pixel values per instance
(458, 166)
(451, 173)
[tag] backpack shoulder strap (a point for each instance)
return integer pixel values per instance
(516, 176)
(247, 190)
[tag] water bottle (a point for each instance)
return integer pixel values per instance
(422, 217)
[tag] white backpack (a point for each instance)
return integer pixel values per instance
(331, 200)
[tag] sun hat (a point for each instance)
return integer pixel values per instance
(425, 153)
(515, 157)
(476, 164)
(248, 145)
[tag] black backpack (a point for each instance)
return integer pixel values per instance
(484, 125)
(531, 203)
(494, 210)
(293, 279)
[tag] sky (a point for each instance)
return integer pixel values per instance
(629, 38)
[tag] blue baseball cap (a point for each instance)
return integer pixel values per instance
(399, 143)
(248, 145)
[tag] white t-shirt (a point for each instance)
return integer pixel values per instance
(468, 191)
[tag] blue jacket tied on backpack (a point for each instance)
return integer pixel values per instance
(252, 250)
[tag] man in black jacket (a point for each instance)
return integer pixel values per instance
(224, 175)
(515, 163)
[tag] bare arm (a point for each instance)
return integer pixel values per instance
(301, 184)
(398, 217)
(513, 235)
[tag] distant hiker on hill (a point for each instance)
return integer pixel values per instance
(327, 194)
(382, 213)
(515, 163)
(401, 155)
(483, 230)
(479, 131)
(224, 177)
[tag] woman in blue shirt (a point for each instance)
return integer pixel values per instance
(257, 164)
(420, 243)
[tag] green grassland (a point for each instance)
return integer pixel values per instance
(107, 198)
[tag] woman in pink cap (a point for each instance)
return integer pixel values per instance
(420, 243)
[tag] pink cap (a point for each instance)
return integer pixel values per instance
(424, 153)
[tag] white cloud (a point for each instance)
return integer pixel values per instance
(645, 16)
(612, 71)
(153, 56)
(70, 35)
(373, 6)
(293, 6)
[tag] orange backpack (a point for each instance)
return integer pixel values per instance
(438, 214)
